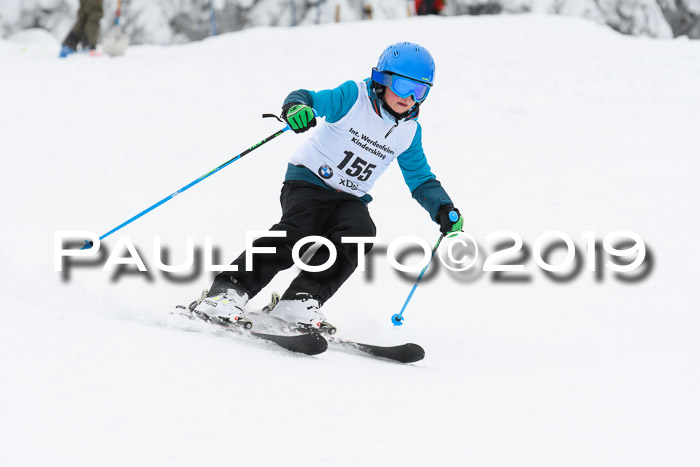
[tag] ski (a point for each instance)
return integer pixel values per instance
(404, 353)
(308, 343)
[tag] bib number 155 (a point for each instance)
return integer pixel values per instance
(359, 167)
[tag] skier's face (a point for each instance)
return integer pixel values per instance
(396, 103)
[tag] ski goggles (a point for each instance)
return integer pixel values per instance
(402, 87)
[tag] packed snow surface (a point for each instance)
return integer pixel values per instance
(534, 124)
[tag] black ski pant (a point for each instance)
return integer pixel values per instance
(307, 210)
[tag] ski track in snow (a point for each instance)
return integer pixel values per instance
(535, 123)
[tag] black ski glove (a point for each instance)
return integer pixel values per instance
(299, 117)
(447, 225)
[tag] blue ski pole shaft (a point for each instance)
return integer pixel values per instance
(212, 18)
(397, 319)
(187, 187)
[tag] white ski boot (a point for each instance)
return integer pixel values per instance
(303, 310)
(225, 307)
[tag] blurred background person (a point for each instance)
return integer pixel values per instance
(86, 29)
(429, 7)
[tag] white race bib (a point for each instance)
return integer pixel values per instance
(351, 154)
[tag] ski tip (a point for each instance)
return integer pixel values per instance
(412, 353)
(314, 344)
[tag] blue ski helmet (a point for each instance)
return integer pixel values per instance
(406, 60)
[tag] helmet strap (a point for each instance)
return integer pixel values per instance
(379, 90)
(378, 98)
(397, 116)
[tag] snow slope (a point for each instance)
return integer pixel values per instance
(535, 123)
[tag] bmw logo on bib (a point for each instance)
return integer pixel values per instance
(325, 172)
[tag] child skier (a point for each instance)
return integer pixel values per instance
(368, 125)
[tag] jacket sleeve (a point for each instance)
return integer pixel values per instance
(333, 104)
(424, 186)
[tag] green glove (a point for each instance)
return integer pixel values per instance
(299, 117)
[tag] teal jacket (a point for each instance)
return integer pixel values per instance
(334, 104)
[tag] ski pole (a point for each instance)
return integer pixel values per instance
(119, 13)
(397, 319)
(88, 244)
(212, 18)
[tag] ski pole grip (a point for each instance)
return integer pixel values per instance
(454, 217)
